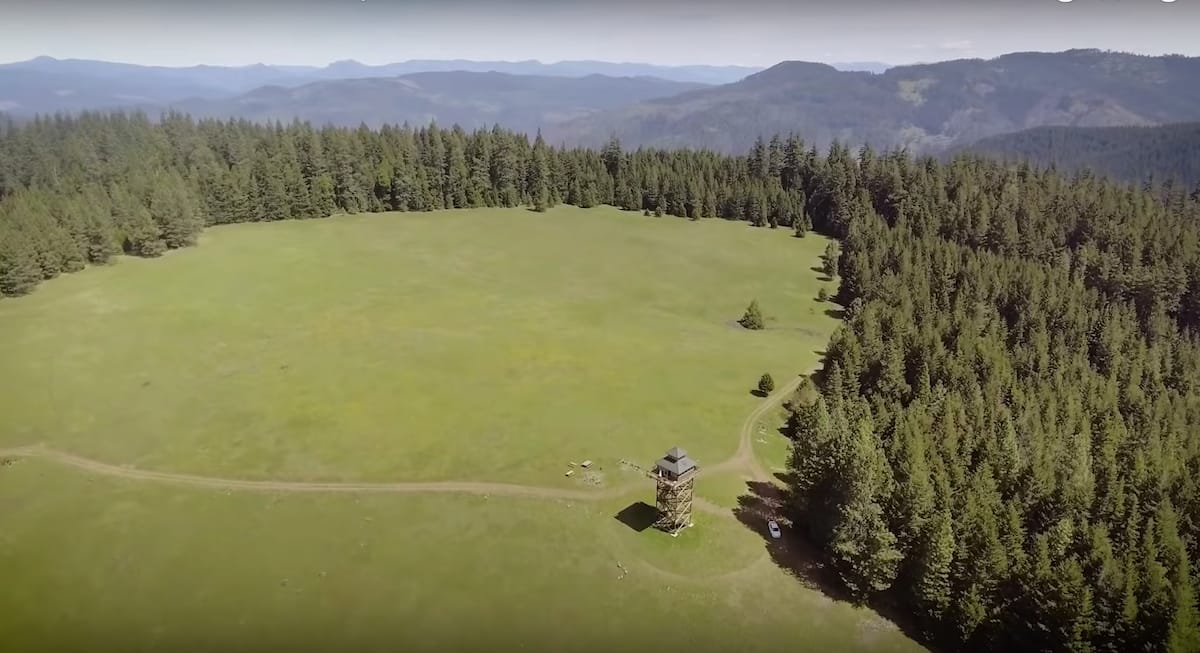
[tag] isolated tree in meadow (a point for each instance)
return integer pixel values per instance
(829, 260)
(766, 385)
(753, 318)
(822, 295)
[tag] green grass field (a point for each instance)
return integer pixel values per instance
(491, 345)
(461, 346)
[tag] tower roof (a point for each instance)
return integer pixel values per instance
(677, 467)
(675, 453)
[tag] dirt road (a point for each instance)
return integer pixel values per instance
(743, 460)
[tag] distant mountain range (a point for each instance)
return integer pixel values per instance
(470, 99)
(47, 85)
(1133, 154)
(862, 66)
(927, 107)
(935, 107)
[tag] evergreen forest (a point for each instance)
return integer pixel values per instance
(1165, 154)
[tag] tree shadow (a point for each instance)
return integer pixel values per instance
(836, 313)
(758, 393)
(792, 552)
(638, 516)
(796, 555)
(788, 478)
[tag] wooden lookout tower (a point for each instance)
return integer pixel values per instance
(675, 474)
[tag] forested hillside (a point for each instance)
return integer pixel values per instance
(1006, 434)
(926, 107)
(1135, 154)
(1005, 439)
(471, 99)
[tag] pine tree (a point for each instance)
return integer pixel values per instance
(175, 212)
(753, 318)
(142, 236)
(1184, 634)
(802, 225)
(766, 385)
(539, 177)
(19, 270)
(829, 260)
(932, 588)
(863, 549)
(322, 192)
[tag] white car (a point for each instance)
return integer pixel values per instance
(774, 529)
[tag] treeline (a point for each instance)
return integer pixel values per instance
(1004, 440)
(78, 191)
(1155, 155)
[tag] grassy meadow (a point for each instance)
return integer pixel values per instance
(88, 561)
(492, 345)
(489, 345)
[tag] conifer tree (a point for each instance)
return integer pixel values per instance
(174, 210)
(753, 318)
(539, 178)
(863, 549)
(932, 587)
(766, 385)
(19, 270)
(829, 261)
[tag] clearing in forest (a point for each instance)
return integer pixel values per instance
(488, 345)
(468, 348)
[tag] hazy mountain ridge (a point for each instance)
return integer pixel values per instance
(927, 107)
(47, 85)
(1132, 154)
(692, 73)
(37, 85)
(469, 99)
(933, 107)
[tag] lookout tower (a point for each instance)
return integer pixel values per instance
(676, 477)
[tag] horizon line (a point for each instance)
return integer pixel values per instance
(591, 61)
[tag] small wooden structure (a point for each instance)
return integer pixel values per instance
(675, 474)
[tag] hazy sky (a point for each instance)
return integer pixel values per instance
(749, 32)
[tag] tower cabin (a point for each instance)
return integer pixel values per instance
(675, 474)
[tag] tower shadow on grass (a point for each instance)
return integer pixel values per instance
(638, 516)
(796, 555)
